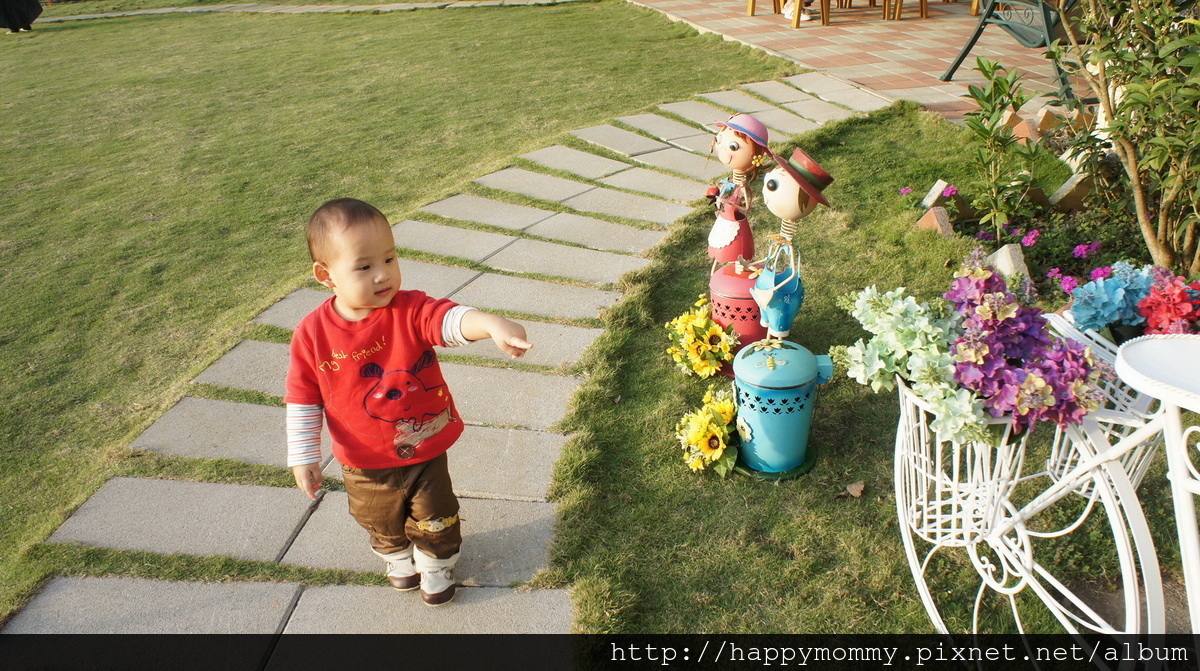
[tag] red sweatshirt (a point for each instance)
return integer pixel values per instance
(386, 403)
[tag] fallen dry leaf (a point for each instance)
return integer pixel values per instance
(856, 489)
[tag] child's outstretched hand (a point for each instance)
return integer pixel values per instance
(508, 335)
(510, 338)
(308, 479)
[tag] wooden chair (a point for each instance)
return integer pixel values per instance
(776, 5)
(893, 8)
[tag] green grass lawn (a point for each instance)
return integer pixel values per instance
(108, 6)
(158, 171)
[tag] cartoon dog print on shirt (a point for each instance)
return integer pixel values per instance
(400, 397)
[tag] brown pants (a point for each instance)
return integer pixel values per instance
(406, 504)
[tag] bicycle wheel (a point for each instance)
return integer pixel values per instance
(985, 560)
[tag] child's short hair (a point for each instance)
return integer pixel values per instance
(335, 216)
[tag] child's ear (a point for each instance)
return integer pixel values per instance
(321, 274)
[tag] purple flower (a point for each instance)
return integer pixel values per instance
(1031, 238)
(1103, 271)
(905, 191)
(1086, 250)
(949, 191)
(1054, 273)
(984, 235)
(1068, 283)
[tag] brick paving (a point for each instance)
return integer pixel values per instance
(898, 59)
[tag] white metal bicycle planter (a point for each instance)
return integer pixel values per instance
(1001, 518)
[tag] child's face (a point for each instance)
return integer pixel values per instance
(362, 270)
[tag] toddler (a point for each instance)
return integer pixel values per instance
(364, 361)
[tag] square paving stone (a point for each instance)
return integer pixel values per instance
(618, 140)
(197, 518)
(597, 234)
(548, 258)
(201, 428)
(288, 312)
(504, 542)
(659, 126)
(698, 112)
(777, 92)
(535, 297)
(346, 609)
(698, 144)
(658, 184)
(783, 124)
(533, 184)
(463, 243)
(492, 463)
(818, 83)
(434, 279)
(703, 168)
(553, 344)
(572, 160)
(738, 101)
(819, 110)
(487, 211)
(505, 397)
(138, 606)
(251, 364)
(515, 464)
(628, 205)
(865, 101)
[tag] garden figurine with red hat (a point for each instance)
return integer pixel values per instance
(741, 145)
(791, 192)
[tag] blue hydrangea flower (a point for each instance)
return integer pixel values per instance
(1112, 300)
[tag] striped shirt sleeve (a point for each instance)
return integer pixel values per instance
(304, 424)
(452, 326)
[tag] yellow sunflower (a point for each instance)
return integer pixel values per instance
(724, 408)
(706, 367)
(694, 461)
(713, 446)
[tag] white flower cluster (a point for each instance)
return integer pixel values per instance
(912, 340)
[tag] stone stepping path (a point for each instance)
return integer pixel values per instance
(164, 516)
(670, 131)
(487, 211)
(839, 91)
(500, 292)
(574, 161)
(657, 184)
(502, 465)
(585, 197)
(620, 141)
(137, 606)
(347, 609)
(515, 254)
(203, 428)
(597, 234)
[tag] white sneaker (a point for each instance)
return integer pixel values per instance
(401, 572)
(806, 15)
(437, 578)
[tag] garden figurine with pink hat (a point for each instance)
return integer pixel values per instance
(740, 145)
(791, 192)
